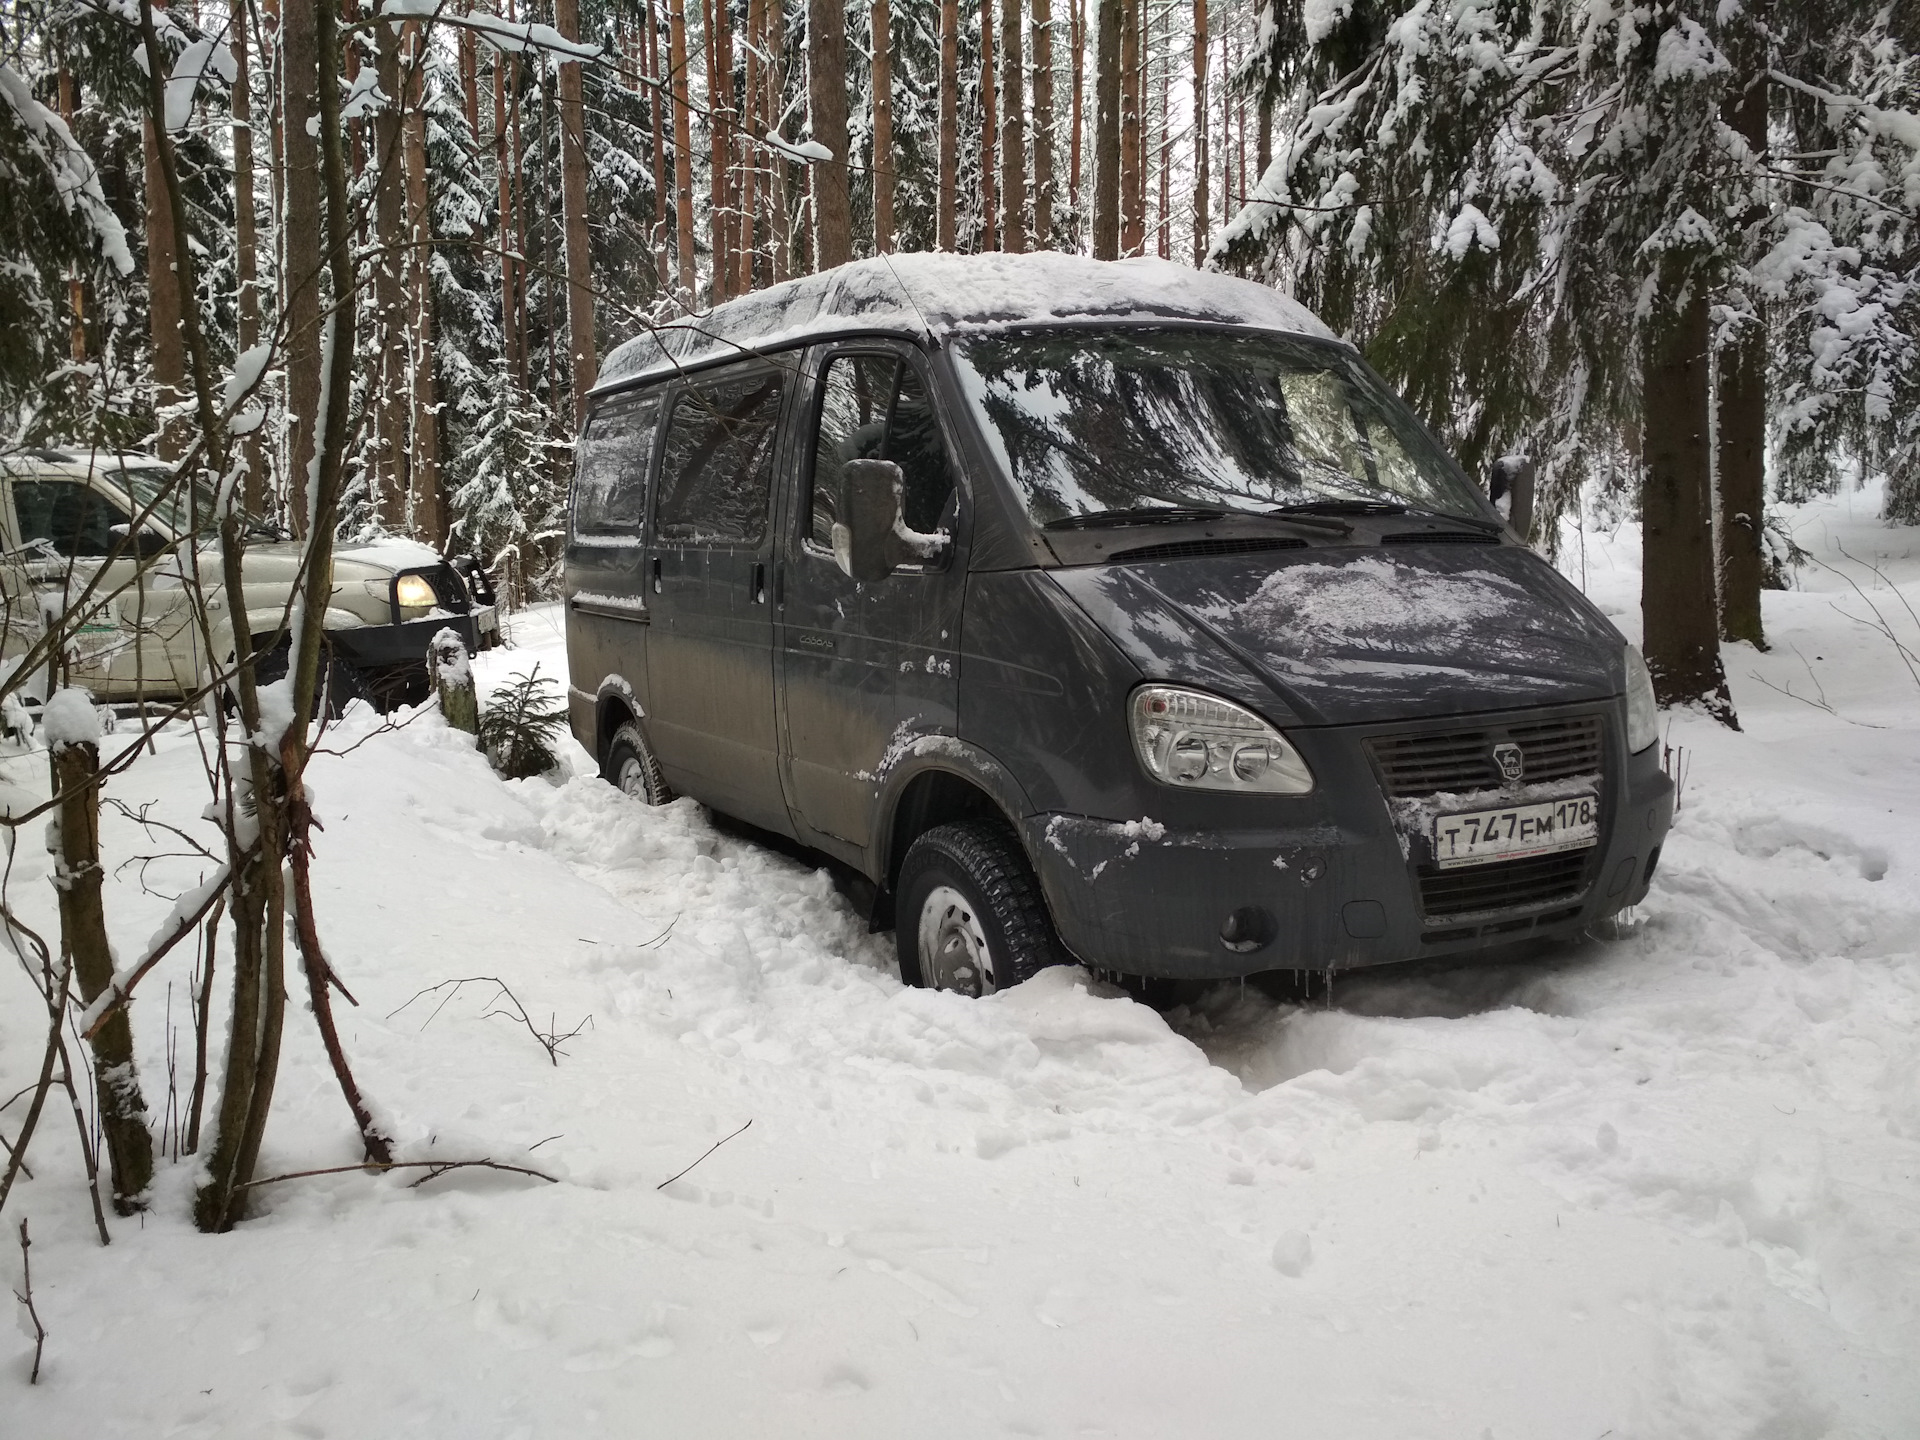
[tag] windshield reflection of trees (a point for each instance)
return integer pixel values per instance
(1128, 419)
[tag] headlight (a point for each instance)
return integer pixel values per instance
(1189, 738)
(1643, 714)
(414, 592)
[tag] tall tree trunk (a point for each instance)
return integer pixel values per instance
(1013, 129)
(1106, 131)
(83, 933)
(1677, 569)
(1165, 147)
(776, 111)
(656, 100)
(719, 65)
(469, 80)
(1043, 163)
(1201, 214)
(391, 403)
(1132, 193)
(164, 304)
(682, 147)
(1077, 115)
(423, 447)
(827, 105)
(881, 38)
(749, 151)
(300, 247)
(1742, 418)
(989, 133)
(1263, 148)
(573, 200)
(76, 287)
(946, 226)
(246, 241)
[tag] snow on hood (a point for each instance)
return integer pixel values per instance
(1348, 637)
(914, 293)
(391, 554)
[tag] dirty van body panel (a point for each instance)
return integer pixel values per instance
(869, 674)
(1348, 635)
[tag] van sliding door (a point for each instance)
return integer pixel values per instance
(710, 643)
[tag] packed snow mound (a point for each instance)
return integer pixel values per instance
(916, 293)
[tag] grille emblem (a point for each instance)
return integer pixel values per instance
(1511, 760)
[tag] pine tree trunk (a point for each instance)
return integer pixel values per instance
(1201, 213)
(1677, 570)
(469, 79)
(76, 287)
(1742, 418)
(946, 227)
(1013, 130)
(1106, 131)
(827, 104)
(390, 404)
(655, 93)
(573, 199)
(163, 311)
(1263, 147)
(720, 280)
(83, 933)
(749, 151)
(1164, 148)
(1043, 161)
(989, 133)
(776, 109)
(300, 247)
(1132, 230)
(682, 147)
(246, 241)
(881, 38)
(423, 441)
(1077, 116)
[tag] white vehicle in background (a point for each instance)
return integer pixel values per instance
(107, 534)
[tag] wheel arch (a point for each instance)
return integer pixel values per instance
(956, 781)
(614, 705)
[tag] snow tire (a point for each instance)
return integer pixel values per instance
(630, 766)
(967, 892)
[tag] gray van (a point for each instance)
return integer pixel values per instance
(1110, 613)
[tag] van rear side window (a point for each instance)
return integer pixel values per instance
(717, 469)
(616, 454)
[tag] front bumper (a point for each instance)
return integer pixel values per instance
(1334, 894)
(381, 647)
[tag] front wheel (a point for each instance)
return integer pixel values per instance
(631, 766)
(971, 917)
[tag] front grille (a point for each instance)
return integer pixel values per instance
(1503, 885)
(1459, 760)
(1440, 537)
(1186, 549)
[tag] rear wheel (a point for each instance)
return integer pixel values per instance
(970, 916)
(630, 766)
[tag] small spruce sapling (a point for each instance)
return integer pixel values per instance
(518, 729)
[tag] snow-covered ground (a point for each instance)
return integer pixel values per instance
(1661, 1184)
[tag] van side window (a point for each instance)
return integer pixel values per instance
(610, 475)
(876, 407)
(716, 472)
(70, 517)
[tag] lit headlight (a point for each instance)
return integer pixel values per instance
(1189, 738)
(1643, 714)
(413, 592)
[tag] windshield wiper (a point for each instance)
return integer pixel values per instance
(1331, 506)
(1136, 515)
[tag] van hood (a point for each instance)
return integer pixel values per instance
(378, 560)
(1349, 636)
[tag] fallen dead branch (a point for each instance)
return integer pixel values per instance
(25, 1296)
(436, 1169)
(549, 1039)
(709, 1150)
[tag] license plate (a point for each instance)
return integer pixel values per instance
(1516, 832)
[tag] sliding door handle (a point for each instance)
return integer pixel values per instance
(656, 574)
(759, 582)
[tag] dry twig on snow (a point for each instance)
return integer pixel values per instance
(550, 1039)
(25, 1296)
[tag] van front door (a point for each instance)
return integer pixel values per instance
(866, 668)
(709, 687)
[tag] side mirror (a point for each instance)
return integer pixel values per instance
(870, 539)
(1510, 478)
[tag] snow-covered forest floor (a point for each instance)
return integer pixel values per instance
(1662, 1184)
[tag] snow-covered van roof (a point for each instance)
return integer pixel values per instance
(941, 293)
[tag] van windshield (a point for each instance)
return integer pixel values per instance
(1101, 423)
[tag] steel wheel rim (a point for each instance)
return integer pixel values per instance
(633, 777)
(953, 944)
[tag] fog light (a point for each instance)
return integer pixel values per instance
(1247, 929)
